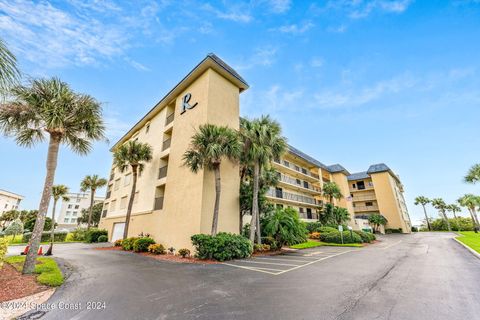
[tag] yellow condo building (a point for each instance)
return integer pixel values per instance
(172, 203)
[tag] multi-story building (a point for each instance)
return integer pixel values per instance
(379, 191)
(172, 203)
(71, 210)
(9, 201)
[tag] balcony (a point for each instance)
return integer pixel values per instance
(299, 185)
(158, 205)
(166, 144)
(169, 119)
(292, 197)
(162, 172)
(366, 197)
(297, 170)
(365, 208)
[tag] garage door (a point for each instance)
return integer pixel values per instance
(117, 231)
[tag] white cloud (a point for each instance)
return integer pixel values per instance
(317, 62)
(339, 29)
(357, 9)
(295, 28)
(279, 6)
(235, 12)
(262, 56)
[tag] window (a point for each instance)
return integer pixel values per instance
(113, 205)
(73, 220)
(360, 185)
(309, 213)
(78, 199)
(128, 177)
(301, 210)
(70, 206)
(369, 204)
(77, 206)
(354, 185)
(297, 168)
(286, 163)
(304, 171)
(66, 220)
(305, 184)
(123, 202)
(74, 213)
(299, 182)
(116, 184)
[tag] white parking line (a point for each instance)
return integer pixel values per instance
(394, 244)
(283, 259)
(253, 269)
(309, 263)
(274, 263)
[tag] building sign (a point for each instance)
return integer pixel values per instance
(185, 103)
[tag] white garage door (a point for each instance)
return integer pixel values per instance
(117, 231)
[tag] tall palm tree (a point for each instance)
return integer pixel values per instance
(471, 202)
(421, 200)
(9, 73)
(209, 146)
(133, 155)
(92, 183)
(262, 142)
(453, 208)
(58, 191)
(331, 190)
(473, 175)
(441, 206)
(50, 109)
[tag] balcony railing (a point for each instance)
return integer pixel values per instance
(166, 144)
(364, 197)
(298, 169)
(169, 118)
(291, 196)
(162, 172)
(365, 208)
(158, 205)
(295, 182)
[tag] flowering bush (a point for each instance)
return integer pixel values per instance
(156, 248)
(184, 252)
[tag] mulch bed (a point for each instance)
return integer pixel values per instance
(14, 285)
(109, 248)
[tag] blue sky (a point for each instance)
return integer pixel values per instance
(352, 82)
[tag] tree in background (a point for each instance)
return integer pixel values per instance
(92, 183)
(58, 191)
(423, 201)
(377, 220)
(442, 207)
(262, 143)
(95, 216)
(334, 216)
(209, 146)
(331, 190)
(132, 155)
(9, 216)
(471, 202)
(30, 223)
(9, 73)
(14, 228)
(473, 174)
(50, 109)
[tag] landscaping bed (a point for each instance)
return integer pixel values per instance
(47, 270)
(313, 244)
(14, 285)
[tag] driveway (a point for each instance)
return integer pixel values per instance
(418, 276)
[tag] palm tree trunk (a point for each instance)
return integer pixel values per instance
(253, 222)
(257, 229)
(130, 202)
(426, 218)
(35, 240)
(52, 232)
(92, 197)
(474, 213)
(216, 208)
(446, 219)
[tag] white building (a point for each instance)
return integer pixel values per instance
(9, 201)
(71, 210)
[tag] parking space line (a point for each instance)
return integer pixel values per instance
(282, 259)
(253, 269)
(274, 263)
(309, 263)
(394, 244)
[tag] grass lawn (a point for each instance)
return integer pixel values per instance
(471, 239)
(313, 244)
(48, 271)
(18, 240)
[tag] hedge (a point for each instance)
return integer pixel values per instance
(127, 244)
(366, 236)
(93, 234)
(142, 244)
(58, 236)
(223, 246)
(335, 237)
(3, 250)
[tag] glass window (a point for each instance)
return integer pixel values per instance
(70, 206)
(128, 177)
(66, 220)
(123, 203)
(74, 213)
(77, 206)
(68, 213)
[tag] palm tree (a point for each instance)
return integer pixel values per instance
(453, 208)
(50, 109)
(473, 175)
(134, 155)
(9, 73)
(262, 142)
(331, 190)
(424, 201)
(58, 191)
(209, 145)
(471, 202)
(441, 206)
(92, 183)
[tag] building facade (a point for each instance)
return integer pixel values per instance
(9, 201)
(71, 210)
(172, 203)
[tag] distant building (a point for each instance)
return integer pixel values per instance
(71, 210)
(9, 201)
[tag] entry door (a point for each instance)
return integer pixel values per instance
(118, 229)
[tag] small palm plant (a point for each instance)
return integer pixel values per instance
(377, 220)
(50, 109)
(421, 200)
(473, 175)
(331, 190)
(132, 155)
(209, 146)
(471, 202)
(58, 191)
(92, 183)
(442, 207)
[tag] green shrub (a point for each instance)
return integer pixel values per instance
(30, 223)
(274, 245)
(184, 252)
(156, 248)
(127, 244)
(102, 238)
(284, 226)
(312, 226)
(335, 237)
(327, 229)
(141, 244)
(3, 250)
(118, 243)
(414, 229)
(58, 236)
(79, 234)
(261, 247)
(389, 230)
(366, 236)
(92, 235)
(223, 246)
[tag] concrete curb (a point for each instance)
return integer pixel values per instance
(475, 253)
